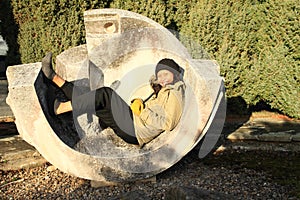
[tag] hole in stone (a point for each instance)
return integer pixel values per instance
(109, 27)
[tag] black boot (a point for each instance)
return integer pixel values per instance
(47, 66)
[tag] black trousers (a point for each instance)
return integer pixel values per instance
(108, 106)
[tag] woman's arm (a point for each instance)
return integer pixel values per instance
(164, 114)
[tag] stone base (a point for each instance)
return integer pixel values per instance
(129, 54)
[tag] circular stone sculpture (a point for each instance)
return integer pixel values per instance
(122, 50)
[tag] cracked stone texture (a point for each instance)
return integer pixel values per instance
(120, 45)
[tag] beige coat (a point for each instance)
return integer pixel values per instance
(161, 113)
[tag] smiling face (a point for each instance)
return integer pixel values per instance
(165, 77)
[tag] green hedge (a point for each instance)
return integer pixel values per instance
(9, 31)
(256, 42)
(49, 25)
(257, 45)
(154, 9)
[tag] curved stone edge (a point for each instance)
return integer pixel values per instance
(204, 71)
(34, 129)
(124, 21)
(116, 170)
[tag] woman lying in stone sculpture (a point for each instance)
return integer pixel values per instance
(138, 123)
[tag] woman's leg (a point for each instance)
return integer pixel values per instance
(111, 109)
(115, 112)
(59, 107)
(49, 72)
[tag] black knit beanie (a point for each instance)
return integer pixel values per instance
(168, 64)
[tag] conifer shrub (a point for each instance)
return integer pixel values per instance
(50, 25)
(257, 45)
(156, 10)
(9, 32)
(256, 42)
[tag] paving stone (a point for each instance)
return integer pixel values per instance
(263, 146)
(243, 133)
(296, 137)
(16, 154)
(275, 137)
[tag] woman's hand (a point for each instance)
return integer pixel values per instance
(154, 84)
(137, 105)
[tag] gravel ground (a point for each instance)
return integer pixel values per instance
(238, 173)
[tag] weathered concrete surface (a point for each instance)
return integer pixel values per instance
(15, 154)
(125, 47)
(268, 130)
(296, 137)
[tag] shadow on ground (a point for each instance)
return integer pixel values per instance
(282, 167)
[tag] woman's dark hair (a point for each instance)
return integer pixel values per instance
(172, 66)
